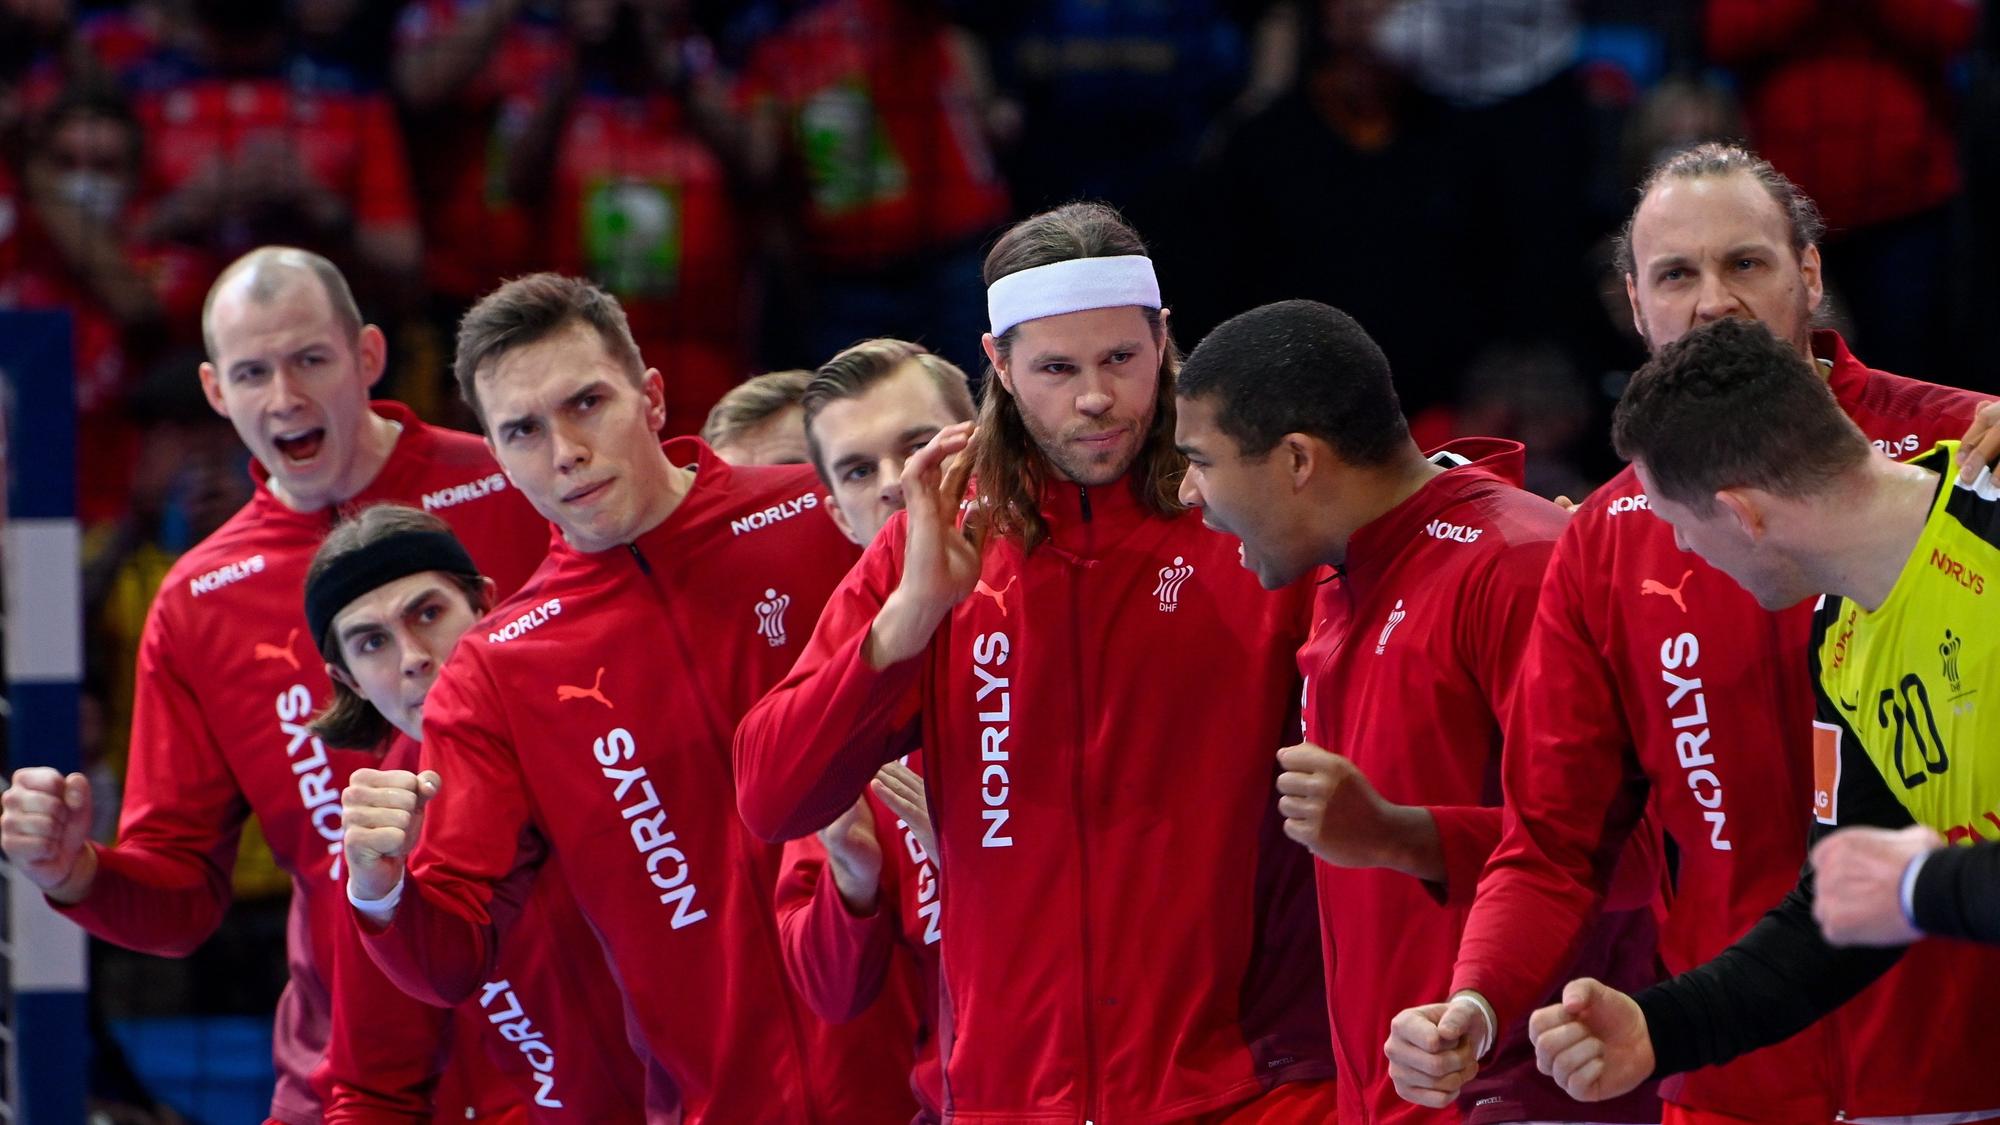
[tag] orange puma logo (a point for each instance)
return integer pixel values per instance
(1654, 586)
(262, 651)
(999, 596)
(564, 692)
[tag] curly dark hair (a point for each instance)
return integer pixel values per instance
(1299, 367)
(1729, 405)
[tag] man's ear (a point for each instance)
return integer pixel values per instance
(371, 351)
(1748, 507)
(991, 347)
(339, 676)
(1304, 457)
(840, 520)
(654, 385)
(211, 389)
(1809, 269)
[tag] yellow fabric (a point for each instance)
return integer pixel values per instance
(1916, 683)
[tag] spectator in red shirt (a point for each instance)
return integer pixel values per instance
(868, 119)
(459, 65)
(239, 153)
(1849, 99)
(76, 249)
(629, 150)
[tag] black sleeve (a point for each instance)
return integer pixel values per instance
(1958, 893)
(1776, 981)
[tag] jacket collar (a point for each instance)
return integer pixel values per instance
(400, 478)
(711, 478)
(1847, 375)
(1080, 516)
(1376, 547)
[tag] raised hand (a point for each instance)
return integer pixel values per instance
(940, 566)
(45, 831)
(382, 812)
(1980, 446)
(902, 789)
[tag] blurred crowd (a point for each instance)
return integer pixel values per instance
(762, 182)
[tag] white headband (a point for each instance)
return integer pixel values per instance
(1073, 286)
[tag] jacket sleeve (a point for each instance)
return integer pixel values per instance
(807, 749)
(384, 1049)
(1782, 976)
(1573, 795)
(475, 861)
(836, 959)
(163, 888)
(1493, 627)
(1958, 893)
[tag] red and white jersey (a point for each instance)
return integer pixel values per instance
(549, 1024)
(583, 730)
(1127, 933)
(227, 680)
(1414, 656)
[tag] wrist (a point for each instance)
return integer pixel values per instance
(374, 882)
(1906, 890)
(859, 890)
(901, 630)
(1487, 1028)
(378, 909)
(75, 886)
(1401, 837)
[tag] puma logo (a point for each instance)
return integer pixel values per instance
(565, 693)
(1654, 586)
(262, 651)
(999, 596)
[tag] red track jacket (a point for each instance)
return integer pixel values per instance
(844, 964)
(227, 679)
(1129, 936)
(1647, 669)
(1414, 654)
(587, 722)
(548, 1023)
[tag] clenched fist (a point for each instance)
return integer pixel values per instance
(1433, 1050)
(1595, 1043)
(1858, 872)
(45, 831)
(1330, 807)
(381, 813)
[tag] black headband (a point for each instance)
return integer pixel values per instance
(378, 564)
